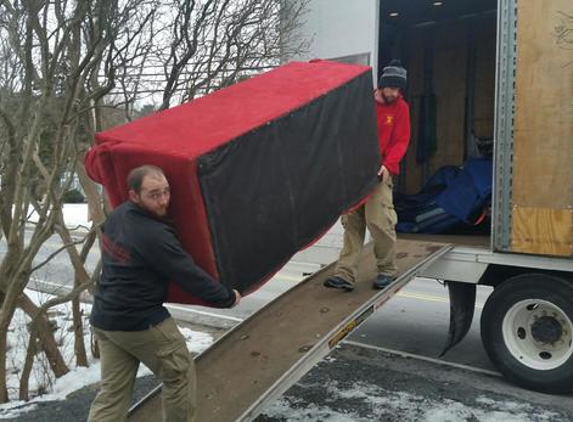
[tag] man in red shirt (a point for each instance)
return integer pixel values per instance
(378, 213)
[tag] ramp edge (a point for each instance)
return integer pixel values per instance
(328, 342)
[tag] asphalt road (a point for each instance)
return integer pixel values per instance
(359, 384)
(416, 321)
(58, 272)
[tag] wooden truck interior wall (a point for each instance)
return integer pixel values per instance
(451, 54)
(450, 84)
(542, 187)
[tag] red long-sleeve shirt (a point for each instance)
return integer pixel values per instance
(393, 132)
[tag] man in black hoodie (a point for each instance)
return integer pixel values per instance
(141, 254)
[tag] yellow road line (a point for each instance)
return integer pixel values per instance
(412, 295)
(287, 277)
(409, 295)
(420, 296)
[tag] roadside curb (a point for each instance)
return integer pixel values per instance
(183, 313)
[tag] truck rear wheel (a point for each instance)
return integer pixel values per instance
(527, 331)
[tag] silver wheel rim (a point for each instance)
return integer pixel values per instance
(518, 337)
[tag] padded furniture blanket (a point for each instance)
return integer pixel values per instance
(258, 170)
(454, 200)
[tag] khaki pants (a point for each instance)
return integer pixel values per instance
(162, 349)
(379, 216)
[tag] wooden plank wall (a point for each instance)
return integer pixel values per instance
(542, 219)
(449, 45)
(450, 79)
(412, 175)
(486, 32)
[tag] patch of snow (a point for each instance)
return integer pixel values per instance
(286, 409)
(15, 409)
(72, 381)
(382, 403)
(196, 341)
(74, 215)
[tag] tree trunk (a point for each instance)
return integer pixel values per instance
(47, 341)
(31, 351)
(79, 344)
(81, 277)
(3, 350)
(6, 313)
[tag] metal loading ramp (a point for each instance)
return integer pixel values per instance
(262, 357)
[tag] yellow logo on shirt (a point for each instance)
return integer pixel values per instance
(389, 120)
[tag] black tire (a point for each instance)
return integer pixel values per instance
(520, 355)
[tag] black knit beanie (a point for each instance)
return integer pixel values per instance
(393, 75)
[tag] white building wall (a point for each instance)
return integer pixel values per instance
(342, 29)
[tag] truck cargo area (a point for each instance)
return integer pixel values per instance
(449, 50)
(452, 239)
(263, 356)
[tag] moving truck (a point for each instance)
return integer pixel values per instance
(498, 70)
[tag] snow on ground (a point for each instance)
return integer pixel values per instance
(42, 381)
(75, 216)
(412, 408)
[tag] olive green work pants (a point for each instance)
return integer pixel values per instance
(162, 349)
(379, 216)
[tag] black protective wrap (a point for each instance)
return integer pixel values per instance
(274, 190)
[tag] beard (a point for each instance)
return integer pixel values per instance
(157, 212)
(161, 212)
(389, 99)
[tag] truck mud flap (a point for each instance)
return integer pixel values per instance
(259, 359)
(462, 304)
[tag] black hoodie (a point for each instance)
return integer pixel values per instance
(140, 255)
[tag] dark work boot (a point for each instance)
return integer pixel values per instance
(337, 282)
(382, 281)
